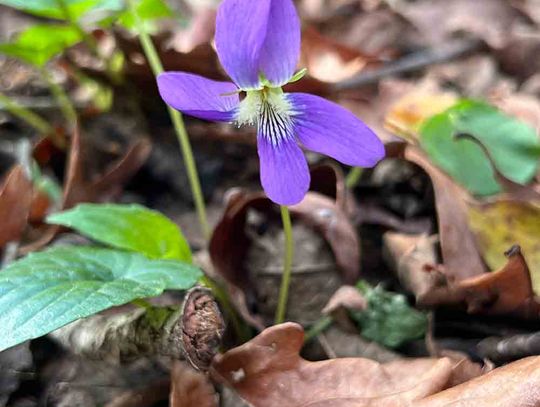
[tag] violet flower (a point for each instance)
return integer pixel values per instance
(258, 44)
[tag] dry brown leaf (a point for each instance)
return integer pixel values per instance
(328, 60)
(506, 291)
(348, 297)
(230, 244)
(268, 372)
(414, 260)
(437, 20)
(460, 254)
(15, 202)
(500, 224)
(513, 385)
(324, 215)
(77, 188)
(190, 388)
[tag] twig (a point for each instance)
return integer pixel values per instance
(510, 348)
(450, 50)
(192, 332)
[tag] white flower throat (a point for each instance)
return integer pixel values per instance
(270, 110)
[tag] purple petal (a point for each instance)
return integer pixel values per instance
(241, 27)
(199, 97)
(281, 48)
(329, 129)
(284, 171)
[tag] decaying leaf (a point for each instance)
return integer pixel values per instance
(506, 291)
(190, 388)
(458, 245)
(347, 297)
(328, 60)
(516, 385)
(78, 188)
(500, 224)
(405, 116)
(15, 203)
(230, 242)
(414, 260)
(268, 371)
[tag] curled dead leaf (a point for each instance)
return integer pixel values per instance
(268, 371)
(506, 291)
(348, 297)
(516, 385)
(15, 203)
(231, 243)
(79, 188)
(503, 223)
(459, 249)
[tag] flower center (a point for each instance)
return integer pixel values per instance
(270, 110)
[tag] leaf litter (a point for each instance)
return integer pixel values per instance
(476, 255)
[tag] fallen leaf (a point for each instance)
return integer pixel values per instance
(460, 254)
(78, 188)
(516, 385)
(324, 215)
(405, 116)
(268, 371)
(503, 223)
(506, 291)
(328, 60)
(438, 20)
(348, 297)
(229, 245)
(190, 388)
(15, 203)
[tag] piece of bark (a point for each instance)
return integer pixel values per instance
(192, 332)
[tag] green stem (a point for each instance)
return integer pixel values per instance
(353, 177)
(320, 326)
(62, 99)
(287, 265)
(37, 122)
(178, 123)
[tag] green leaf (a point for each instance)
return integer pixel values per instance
(388, 319)
(47, 290)
(129, 227)
(54, 9)
(461, 158)
(40, 43)
(148, 11)
(512, 144)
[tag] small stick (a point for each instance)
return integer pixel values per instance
(413, 62)
(192, 332)
(510, 348)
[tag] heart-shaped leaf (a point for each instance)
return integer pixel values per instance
(512, 145)
(47, 290)
(129, 227)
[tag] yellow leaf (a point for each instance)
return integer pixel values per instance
(406, 115)
(502, 224)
